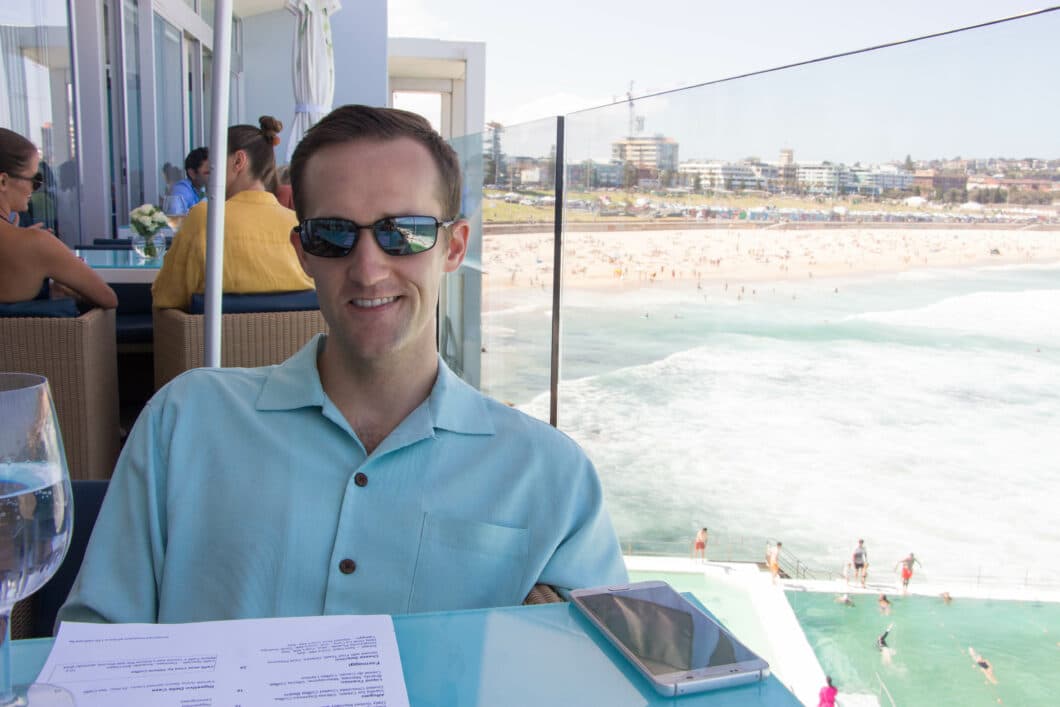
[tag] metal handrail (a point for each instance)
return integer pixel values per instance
(724, 547)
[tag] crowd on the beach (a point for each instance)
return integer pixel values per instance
(743, 257)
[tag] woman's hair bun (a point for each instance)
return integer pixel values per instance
(270, 129)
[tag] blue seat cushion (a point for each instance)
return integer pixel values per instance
(263, 302)
(62, 307)
(134, 328)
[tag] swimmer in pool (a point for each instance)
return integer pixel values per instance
(844, 599)
(983, 664)
(886, 652)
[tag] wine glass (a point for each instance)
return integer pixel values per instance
(175, 209)
(35, 505)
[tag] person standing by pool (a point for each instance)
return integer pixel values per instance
(699, 547)
(860, 558)
(907, 570)
(773, 560)
(827, 694)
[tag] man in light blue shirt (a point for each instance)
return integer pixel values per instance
(361, 475)
(192, 189)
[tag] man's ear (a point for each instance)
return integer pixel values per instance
(296, 243)
(456, 244)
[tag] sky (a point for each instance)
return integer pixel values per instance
(991, 92)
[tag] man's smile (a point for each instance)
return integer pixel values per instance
(372, 303)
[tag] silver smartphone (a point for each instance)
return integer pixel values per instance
(670, 640)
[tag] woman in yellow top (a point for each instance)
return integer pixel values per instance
(258, 255)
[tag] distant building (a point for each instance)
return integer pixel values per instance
(787, 171)
(984, 182)
(938, 181)
(655, 153)
(726, 176)
(594, 175)
(826, 178)
(889, 176)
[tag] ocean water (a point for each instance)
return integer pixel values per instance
(918, 410)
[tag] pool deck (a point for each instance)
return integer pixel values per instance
(790, 655)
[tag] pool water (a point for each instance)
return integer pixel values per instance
(931, 664)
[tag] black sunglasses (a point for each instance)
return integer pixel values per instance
(396, 235)
(37, 179)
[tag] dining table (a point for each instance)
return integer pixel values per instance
(118, 266)
(546, 654)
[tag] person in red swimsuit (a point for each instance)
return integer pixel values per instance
(699, 547)
(907, 570)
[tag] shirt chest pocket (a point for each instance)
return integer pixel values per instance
(467, 564)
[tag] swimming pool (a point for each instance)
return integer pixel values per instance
(931, 665)
(726, 599)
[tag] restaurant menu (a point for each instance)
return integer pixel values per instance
(297, 662)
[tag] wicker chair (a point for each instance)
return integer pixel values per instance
(250, 339)
(543, 594)
(77, 355)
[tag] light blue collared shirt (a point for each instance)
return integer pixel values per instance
(187, 192)
(244, 493)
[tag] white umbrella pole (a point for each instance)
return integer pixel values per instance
(215, 215)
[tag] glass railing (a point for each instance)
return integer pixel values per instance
(510, 198)
(815, 304)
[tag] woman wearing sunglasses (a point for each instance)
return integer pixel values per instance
(257, 253)
(32, 256)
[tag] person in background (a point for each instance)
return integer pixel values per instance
(257, 252)
(699, 545)
(886, 652)
(192, 189)
(983, 664)
(827, 694)
(860, 558)
(907, 570)
(884, 604)
(362, 475)
(284, 193)
(171, 173)
(30, 257)
(773, 560)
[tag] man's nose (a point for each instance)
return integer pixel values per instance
(367, 261)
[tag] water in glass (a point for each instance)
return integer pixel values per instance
(35, 509)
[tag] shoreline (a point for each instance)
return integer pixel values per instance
(626, 260)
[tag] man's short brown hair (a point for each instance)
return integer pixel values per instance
(356, 122)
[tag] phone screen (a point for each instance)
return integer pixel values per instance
(657, 625)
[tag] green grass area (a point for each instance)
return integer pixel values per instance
(496, 210)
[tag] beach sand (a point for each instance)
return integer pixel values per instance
(638, 258)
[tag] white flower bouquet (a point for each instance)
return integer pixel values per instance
(147, 220)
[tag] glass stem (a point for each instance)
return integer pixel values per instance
(7, 696)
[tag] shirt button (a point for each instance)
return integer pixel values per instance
(360, 479)
(347, 566)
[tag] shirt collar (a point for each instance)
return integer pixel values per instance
(452, 404)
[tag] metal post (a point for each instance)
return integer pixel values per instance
(557, 279)
(215, 215)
